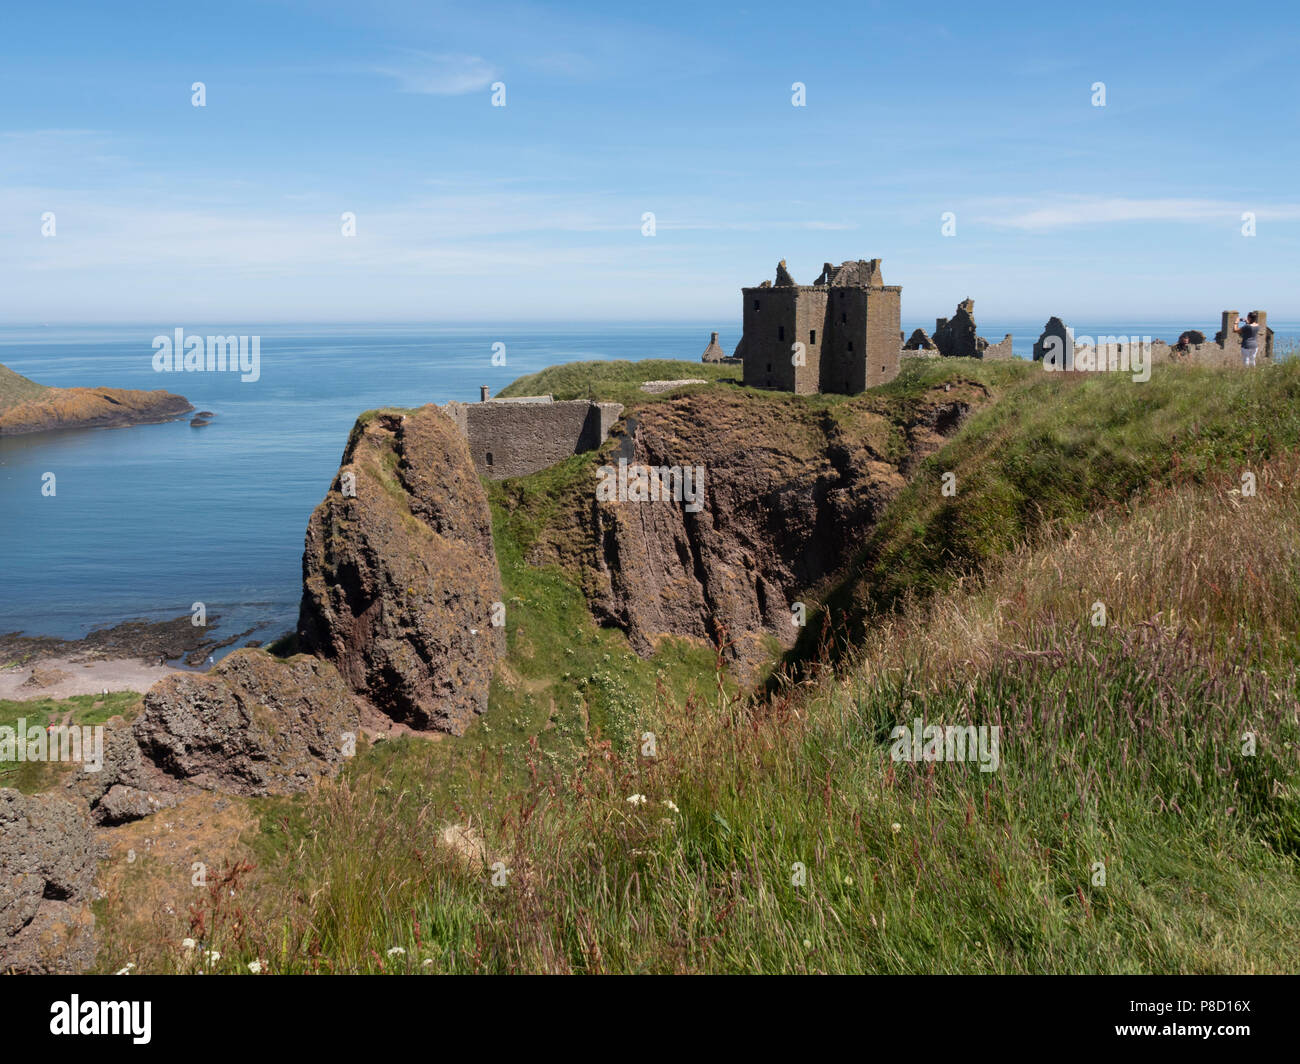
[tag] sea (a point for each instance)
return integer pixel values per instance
(146, 521)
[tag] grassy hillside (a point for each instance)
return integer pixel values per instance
(614, 381)
(1143, 817)
(15, 389)
(1052, 450)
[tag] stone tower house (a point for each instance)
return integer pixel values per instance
(840, 334)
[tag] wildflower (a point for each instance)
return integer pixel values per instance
(807, 943)
(848, 881)
(895, 828)
(126, 970)
(188, 945)
(397, 951)
(638, 799)
(672, 808)
(426, 962)
(211, 956)
(255, 967)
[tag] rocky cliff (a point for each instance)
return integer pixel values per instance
(399, 573)
(792, 490)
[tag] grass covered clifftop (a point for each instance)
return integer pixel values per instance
(617, 381)
(26, 406)
(1143, 816)
(15, 389)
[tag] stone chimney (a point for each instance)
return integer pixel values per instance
(483, 393)
(714, 352)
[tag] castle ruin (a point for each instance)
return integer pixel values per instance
(514, 437)
(1058, 346)
(714, 353)
(839, 334)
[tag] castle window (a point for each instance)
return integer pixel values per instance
(812, 336)
(489, 458)
(756, 307)
(780, 332)
(850, 345)
(843, 317)
(769, 367)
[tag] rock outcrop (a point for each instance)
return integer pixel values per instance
(788, 498)
(252, 725)
(47, 870)
(74, 408)
(400, 575)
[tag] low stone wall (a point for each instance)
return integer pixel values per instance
(999, 351)
(511, 438)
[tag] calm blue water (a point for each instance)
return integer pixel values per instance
(148, 520)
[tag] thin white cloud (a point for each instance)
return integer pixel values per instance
(440, 75)
(1067, 212)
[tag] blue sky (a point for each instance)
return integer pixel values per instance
(469, 212)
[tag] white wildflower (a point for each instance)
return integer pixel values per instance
(126, 970)
(638, 799)
(671, 806)
(397, 951)
(255, 967)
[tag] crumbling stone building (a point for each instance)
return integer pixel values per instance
(1058, 344)
(957, 337)
(839, 334)
(715, 353)
(514, 437)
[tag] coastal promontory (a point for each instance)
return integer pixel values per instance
(26, 406)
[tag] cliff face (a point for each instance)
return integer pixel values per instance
(791, 492)
(71, 408)
(400, 577)
(399, 581)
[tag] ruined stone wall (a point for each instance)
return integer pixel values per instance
(512, 439)
(1000, 351)
(884, 313)
(1223, 352)
(844, 357)
(810, 323)
(770, 318)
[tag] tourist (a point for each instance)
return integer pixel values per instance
(1249, 331)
